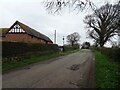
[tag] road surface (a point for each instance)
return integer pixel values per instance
(71, 71)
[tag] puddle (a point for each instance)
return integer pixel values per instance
(74, 67)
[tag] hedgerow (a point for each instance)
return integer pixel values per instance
(13, 49)
(112, 53)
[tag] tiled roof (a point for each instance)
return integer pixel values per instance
(30, 31)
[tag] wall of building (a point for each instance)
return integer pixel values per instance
(50, 43)
(23, 37)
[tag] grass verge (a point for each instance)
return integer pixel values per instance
(34, 59)
(107, 72)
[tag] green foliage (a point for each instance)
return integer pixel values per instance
(25, 61)
(70, 48)
(112, 53)
(42, 48)
(13, 49)
(16, 62)
(107, 72)
(17, 51)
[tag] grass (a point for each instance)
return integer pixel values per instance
(33, 59)
(107, 73)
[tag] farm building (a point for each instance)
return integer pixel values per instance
(20, 32)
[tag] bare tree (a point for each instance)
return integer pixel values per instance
(73, 38)
(56, 6)
(114, 44)
(117, 6)
(103, 24)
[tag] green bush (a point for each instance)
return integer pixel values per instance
(70, 48)
(113, 53)
(13, 49)
(32, 47)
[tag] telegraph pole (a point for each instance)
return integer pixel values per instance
(63, 44)
(55, 37)
(63, 40)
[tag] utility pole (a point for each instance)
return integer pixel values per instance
(63, 44)
(63, 40)
(55, 37)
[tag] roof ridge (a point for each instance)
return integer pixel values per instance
(29, 31)
(33, 32)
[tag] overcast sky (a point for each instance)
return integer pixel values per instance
(33, 14)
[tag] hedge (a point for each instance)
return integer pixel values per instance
(69, 48)
(11, 49)
(112, 53)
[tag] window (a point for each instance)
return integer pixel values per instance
(16, 29)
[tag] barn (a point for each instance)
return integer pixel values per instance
(20, 32)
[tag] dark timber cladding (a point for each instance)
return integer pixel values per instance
(18, 28)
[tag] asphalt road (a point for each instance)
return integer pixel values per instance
(71, 71)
